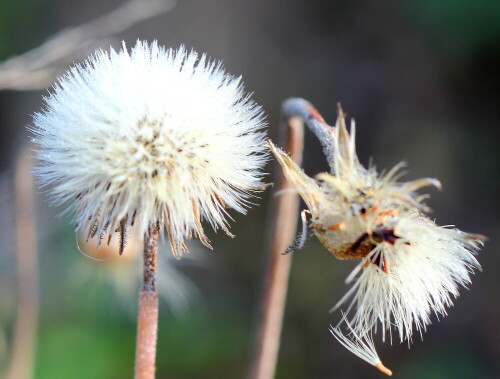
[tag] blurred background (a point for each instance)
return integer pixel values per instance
(422, 80)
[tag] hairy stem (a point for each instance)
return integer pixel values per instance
(283, 225)
(147, 323)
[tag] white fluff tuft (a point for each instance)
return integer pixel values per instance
(420, 275)
(364, 349)
(151, 138)
(361, 346)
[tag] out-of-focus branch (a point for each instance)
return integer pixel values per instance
(38, 68)
(24, 340)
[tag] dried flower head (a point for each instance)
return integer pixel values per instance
(150, 138)
(409, 266)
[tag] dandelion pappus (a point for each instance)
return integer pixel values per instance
(409, 267)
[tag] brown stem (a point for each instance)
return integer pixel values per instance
(283, 225)
(147, 323)
(24, 341)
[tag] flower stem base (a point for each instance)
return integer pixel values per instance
(147, 324)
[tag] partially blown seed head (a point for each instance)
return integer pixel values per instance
(150, 138)
(409, 268)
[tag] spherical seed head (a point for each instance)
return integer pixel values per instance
(150, 137)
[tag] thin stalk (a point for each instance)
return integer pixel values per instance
(22, 359)
(147, 323)
(295, 113)
(283, 225)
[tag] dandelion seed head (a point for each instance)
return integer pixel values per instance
(410, 267)
(150, 137)
(353, 200)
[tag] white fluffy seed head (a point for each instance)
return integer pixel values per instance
(153, 138)
(410, 267)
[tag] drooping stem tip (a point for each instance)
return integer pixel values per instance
(298, 107)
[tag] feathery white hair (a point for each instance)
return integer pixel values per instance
(409, 268)
(150, 138)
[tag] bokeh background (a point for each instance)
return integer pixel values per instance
(422, 80)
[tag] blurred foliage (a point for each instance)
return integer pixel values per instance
(21, 26)
(457, 28)
(444, 362)
(209, 341)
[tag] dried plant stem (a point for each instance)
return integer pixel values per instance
(295, 112)
(282, 231)
(147, 324)
(38, 68)
(24, 341)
